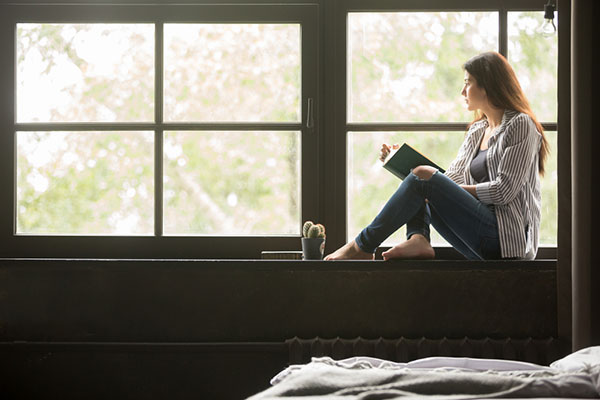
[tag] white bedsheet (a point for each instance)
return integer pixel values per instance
(577, 361)
(449, 378)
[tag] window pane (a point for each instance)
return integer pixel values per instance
(85, 183)
(370, 185)
(407, 66)
(549, 223)
(83, 73)
(232, 72)
(535, 60)
(232, 183)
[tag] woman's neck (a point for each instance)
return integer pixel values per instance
(494, 117)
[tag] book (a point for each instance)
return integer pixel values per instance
(400, 161)
(281, 255)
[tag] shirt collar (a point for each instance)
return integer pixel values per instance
(507, 116)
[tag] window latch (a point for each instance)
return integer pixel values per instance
(310, 123)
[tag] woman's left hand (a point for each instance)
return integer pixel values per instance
(386, 149)
(471, 189)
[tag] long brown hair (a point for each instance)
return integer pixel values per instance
(494, 74)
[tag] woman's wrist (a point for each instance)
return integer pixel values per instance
(471, 189)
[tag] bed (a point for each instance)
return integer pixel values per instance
(575, 376)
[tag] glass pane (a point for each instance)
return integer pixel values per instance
(370, 185)
(232, 72)
(85, 183)
(408, 66)
(84, 73)
(232, 183)
(549, 223)
(535, 60)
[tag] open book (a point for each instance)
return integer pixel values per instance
(399, 162)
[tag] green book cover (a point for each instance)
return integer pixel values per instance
(399, 162)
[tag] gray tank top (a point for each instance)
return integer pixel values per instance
(479, 170)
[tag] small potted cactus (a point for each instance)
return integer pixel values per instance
(313, 241)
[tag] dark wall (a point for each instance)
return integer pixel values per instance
(136, 371)
(586, 197)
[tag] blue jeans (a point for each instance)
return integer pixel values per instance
(465, 222)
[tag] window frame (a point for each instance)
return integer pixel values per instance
(323, 150)
(343, 125)
(158, 245)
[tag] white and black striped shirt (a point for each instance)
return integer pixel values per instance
(514, 185)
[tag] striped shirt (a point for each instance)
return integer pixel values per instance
(514, 185)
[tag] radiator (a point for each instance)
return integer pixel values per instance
(534, 350)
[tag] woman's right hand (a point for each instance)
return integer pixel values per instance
(385, 150)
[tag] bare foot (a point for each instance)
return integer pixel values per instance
(350, 251)
(415, 248)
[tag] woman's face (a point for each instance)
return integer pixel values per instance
(475, 96)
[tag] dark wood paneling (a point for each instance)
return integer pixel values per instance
(233, 300)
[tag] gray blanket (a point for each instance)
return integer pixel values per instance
(319, 380)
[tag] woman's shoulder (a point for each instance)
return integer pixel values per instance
(519, 123)
(512, 117)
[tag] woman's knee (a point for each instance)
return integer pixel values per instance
(424, 172)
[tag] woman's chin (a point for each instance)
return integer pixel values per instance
(470, 108)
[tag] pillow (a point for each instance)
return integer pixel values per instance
(582, 359)
(478, 364)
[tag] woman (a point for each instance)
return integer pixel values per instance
(487, 204)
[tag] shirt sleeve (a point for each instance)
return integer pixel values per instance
(522, 142)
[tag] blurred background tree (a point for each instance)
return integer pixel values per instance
(216, 183)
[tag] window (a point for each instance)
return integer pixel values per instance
(404, 69)
(163, 131)
(213, 130)
(403, 85)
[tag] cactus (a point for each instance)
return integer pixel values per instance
(312, 230)
(322, 229)
(306, 227)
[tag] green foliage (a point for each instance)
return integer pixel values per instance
(407, 66)
(244, 182)
(63, 58)
(220, 183)
(236, 72)
(91, 183)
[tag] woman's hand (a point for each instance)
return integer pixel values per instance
(471, 189)
(385, 150)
